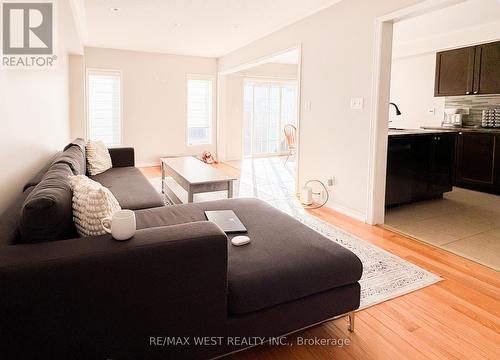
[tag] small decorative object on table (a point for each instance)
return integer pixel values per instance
(208, 158)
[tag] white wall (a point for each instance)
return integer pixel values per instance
(232, 103)
(154, 99)
(271, 70)
(77, 90)
(34, 114)
(337, 64)
(416, 41)
(412, 89)
(466, 23)
(232, 115)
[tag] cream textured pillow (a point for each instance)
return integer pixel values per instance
(92, 202)
(98, 158)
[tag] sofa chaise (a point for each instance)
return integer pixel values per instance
(177, 280)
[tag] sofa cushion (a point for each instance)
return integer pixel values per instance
(9, 219)
(92, 203)
(98, 157)
(130, 187)
(79, 142)
(46, 213)
(38, 176)
(285, 260)
(74, 157)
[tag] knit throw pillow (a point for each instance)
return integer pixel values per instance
(92, 202)
(98, 158)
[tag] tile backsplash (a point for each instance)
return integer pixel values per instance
(475, 103)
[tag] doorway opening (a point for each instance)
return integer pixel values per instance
(258, 127)
(269, 109)
(418, 189)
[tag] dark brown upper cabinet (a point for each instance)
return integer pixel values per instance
(468, 71)
(487, 69)
(454, 72)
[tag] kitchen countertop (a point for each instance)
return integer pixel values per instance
(464, 129)
(418, 132)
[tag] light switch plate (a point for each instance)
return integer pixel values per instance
(357, 103)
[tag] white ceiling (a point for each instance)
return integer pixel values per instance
(192, 27)
(468, 14)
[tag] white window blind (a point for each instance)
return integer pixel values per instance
(199, 111)
(104, 106)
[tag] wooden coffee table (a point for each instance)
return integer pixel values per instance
(194, 176)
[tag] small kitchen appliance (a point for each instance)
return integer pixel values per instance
(452, 118)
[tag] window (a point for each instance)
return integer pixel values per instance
(267, 107)
(199, 110)
(104, 106)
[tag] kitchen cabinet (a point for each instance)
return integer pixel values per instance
(478, 161)
(400, 171)
(471, 70)
(441, 163)
(487, 69)
(455, 72)
(419, 167)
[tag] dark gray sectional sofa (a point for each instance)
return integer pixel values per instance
(179, 276)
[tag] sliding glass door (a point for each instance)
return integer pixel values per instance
(268, 107)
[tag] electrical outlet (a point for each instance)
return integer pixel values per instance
(357, 103)
(331, 181)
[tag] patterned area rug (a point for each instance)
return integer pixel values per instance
(385, 276)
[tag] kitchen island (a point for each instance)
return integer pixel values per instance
(395, 132)
(469, 129)
(420, 164)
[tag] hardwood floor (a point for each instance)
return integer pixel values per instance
(457, 318)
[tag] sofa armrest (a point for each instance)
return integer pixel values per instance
(122, 156)
(100, 298)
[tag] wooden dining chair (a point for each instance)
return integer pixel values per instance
(291, 139)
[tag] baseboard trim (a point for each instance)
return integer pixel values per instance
(347, 211)
(230, 159)
(148, 164)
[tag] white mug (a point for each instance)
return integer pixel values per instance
(121, 225)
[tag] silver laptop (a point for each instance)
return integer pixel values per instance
(227, 221)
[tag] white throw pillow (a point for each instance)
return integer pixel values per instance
(98, 158)
(92, 202)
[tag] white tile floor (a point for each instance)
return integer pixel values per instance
(269, 179)
(464, 222)
(265, 178)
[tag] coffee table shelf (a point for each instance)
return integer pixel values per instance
(194, 176)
